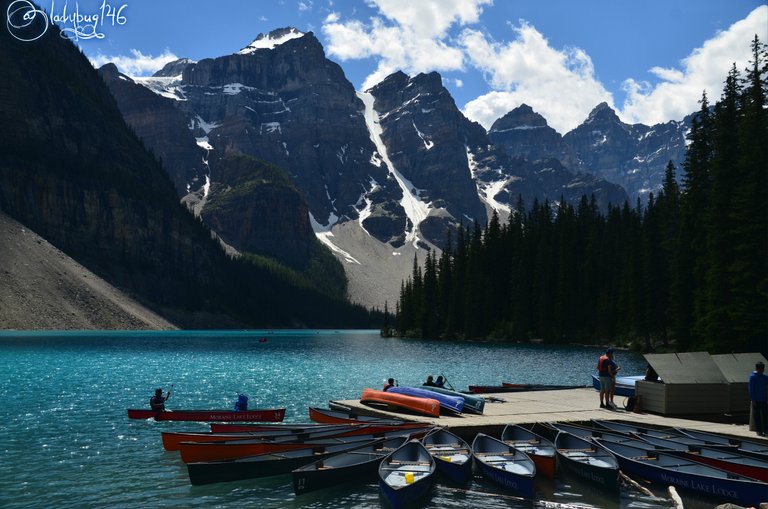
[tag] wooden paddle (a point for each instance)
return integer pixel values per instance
(445, 379)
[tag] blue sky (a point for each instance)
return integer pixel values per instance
(648, 59)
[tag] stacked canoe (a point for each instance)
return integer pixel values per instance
(424, 400)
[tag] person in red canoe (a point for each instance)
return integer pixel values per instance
(157, 402)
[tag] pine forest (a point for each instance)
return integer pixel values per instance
(685, 270)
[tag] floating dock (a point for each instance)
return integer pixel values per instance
(569, 405)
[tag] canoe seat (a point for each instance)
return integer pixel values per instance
(494, 454)
(398, 462)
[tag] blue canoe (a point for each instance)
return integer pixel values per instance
(472, 404)
(453, 455)
(587, 460)
(748, 447)
(538, 448)
(669, 469)
(625, 385)
(406, 475)
(667, 433)
(451, 403)
(504, 465)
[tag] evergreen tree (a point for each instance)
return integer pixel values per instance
(714, 322)
(429, 307)
(690, 260)
(668, 206)
(748, 273)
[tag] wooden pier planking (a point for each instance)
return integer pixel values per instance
(570, 405)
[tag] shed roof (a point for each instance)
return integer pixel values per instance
(736, 367)
(686, 368)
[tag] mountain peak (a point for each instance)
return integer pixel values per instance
(110, 71)
(429, 80)
(522, 117)
(272, 39)
(173, 69)
(602, 113)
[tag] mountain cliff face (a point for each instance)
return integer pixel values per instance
(286, 104)
(455, 168)
(292, 107)
(161, 126)
(632, 156)
(254, 208)
(524, 133)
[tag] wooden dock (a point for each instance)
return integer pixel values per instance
(570, 405)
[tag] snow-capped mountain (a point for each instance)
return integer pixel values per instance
(380, 174)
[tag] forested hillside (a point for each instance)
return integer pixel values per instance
(689, 269)
(74, 173)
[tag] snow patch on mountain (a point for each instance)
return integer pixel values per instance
(168, 87)
(234, 88)
(271, 40)
(198, 121)
(416, 210)
(489, 190)
(365, 213)
(324, 235)
(428, 144)
(203, 143)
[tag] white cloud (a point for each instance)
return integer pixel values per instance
(409, 35)
(431, 18)
(137, 64)
(678, 92)
(560, 85)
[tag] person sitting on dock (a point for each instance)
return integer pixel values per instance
(650, 374)
(430, 381)
(440, 382)
(390, 383)
(157, 402)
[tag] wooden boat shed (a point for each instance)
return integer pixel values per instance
(736, 367)
(697, 383)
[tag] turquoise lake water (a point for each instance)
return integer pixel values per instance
(67, 441)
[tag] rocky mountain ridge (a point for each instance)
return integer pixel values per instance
(398, 163)
(632, 156)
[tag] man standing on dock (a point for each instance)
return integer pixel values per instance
(758, 394)
(607, 370)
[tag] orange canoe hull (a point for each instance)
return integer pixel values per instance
(424, 406)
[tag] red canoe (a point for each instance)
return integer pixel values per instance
(215, 451)
(172, 439)
(219, 427)
(258, 415)
(425, 406)
(328, 416)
